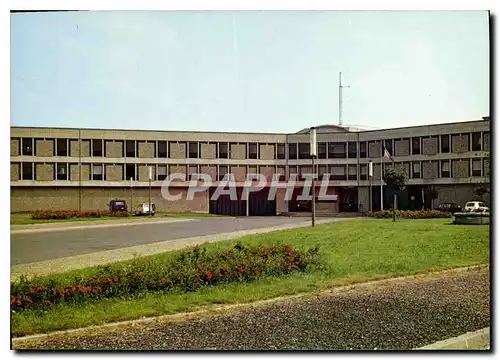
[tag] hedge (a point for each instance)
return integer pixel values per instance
(70, 214)
(411, 214)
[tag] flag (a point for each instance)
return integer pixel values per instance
(387, 154)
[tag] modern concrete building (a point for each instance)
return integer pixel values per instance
(64, 168)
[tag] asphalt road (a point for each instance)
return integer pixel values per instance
(398, 315)
(33, 247)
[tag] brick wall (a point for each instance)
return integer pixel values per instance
(114, 172)
(144, 172)
(208, 151)
(43, 198)
(376, 171)
(430, 169)
(281, 203)
(402, 147)
(114, 149)
(364, 197)
(178, 150)
(14, 172)
(327, 208)
(459, 143)
(146, 150)
(374, 150)
(267, 171)
(45, 172)
(85, 148)
(44, 148)
(460, 168)
(178, 169)
(239, 173)
(210, 170)
(458, 193)
(266, 152)
(238, 151)
(429, 146)
(486, 141)
(14, 147)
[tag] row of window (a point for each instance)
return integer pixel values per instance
(335, 172)
(326, 150)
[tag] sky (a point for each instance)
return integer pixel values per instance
(249, 71)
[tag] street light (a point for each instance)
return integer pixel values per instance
(150, 178)
(131, 207)
(313, 152)
(370, 176)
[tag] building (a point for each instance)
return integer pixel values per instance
(63, 168)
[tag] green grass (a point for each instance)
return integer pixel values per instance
(351, 251)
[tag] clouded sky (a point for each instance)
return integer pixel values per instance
(270, 71)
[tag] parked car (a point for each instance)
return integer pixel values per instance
(117, 205)
(475, 206)
(449, 207)
(143, 209)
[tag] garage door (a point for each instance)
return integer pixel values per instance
(259, 205)
(225, 206)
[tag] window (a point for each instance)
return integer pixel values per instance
(292, 172)
(280, 151)
(62, 147)
(363, 172)
(486, 140)
(27, 170)
(223, 150)
(415, 146)
(336, 150)
(62, 171)
(445, 143)
(27, 147)
(193, 172)
(416, 170)
(162, 149)
(97, 172)
(476, 167)
(193, 150)
(292, 151)
(281, 172)
(352, 151)
(388, 146)
(352, 172)
(445, 168)
(476, 142)
(252, 151)
(304, 152)
(130, 172)
(223, 170)
(362, 149)
(129, 148)
(337, 172)
(322, 171)
(322, 150)
(97, 147)
(162, 172)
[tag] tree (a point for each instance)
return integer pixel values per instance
(480, 190)
(396, 182)
(433, 194)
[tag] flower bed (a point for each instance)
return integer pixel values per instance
(70, 214)
(188, 271)
(411, 214)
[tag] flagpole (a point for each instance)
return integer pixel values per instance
(381, 176)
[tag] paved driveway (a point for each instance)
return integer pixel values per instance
(33, 247)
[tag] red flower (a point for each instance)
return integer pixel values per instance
(256, 271)
(28, 300)
(18, 302)
(209, 275)
(12, 300)
(46, 302)
(115, 279)
(96, 290)
(139, 275)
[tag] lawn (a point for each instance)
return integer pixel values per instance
(350, 251)
(25, 218)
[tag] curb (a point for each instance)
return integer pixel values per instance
(224, 309)
(477, 340)
(64, 264)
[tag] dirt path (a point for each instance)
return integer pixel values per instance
(401, 314)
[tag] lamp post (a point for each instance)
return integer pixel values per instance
(131, 206)
(150, 177)
(312, 149)
(370, 175)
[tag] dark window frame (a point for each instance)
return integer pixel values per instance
(31, 148)
(352, 154)
(164, 152)
(223, 154)
(280, 155)
(57, 150)
(127, 177)
(479, 144)
(416, 145)
(416, 175)
(130, 148)
(162, 176)
(220, 176)
(193, 150)
(322, 150)
(338, 177)
(96, 153)
(363, 150)
(442, 149)
(253, 155)
(388, 145)
(59, 176)
(293, 155)
(32, 171)
(98, 177)
(302, 153)
(445, 174)
(477, 173)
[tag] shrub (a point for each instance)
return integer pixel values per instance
(189, 270)
(70, 214)
(411, 214)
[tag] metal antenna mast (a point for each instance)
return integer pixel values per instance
(340, 97)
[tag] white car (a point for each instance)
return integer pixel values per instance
(476, 206)
(143, 209)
